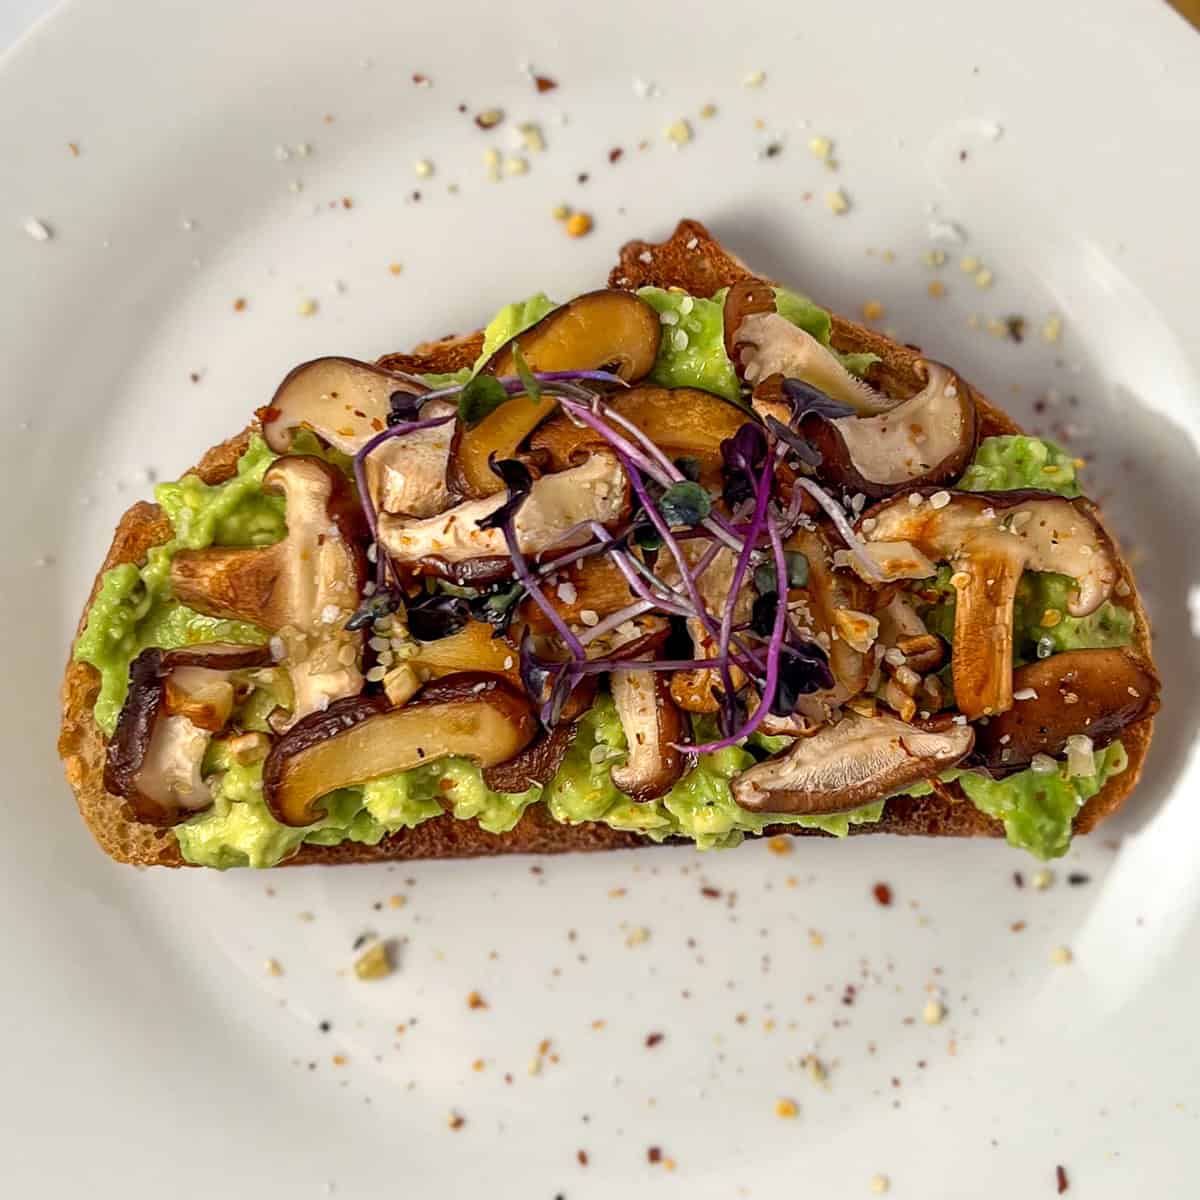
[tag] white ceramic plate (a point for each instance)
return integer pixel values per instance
(146, 1048)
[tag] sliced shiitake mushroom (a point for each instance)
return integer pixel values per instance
(472, 648)
(746, 298)
(607, 329)
(407, 474)
(173, 705)
(303, 588)
(557, 505)
(537, 763)
(654, 728)
(344, 401)
(844, 766)
(471, 714)
(928, 439)
(1096, 693)
(989, 539)
(592, 585)
(831, 593)
(682, 422)
(769, 344)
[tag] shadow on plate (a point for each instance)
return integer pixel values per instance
(1160, 495)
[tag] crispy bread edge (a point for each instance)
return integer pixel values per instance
(690, 259)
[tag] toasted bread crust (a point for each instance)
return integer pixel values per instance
(690, 259)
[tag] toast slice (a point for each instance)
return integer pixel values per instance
(690, 259)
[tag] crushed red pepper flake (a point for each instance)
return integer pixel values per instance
(582, 1156)
(883, 895)
(710, 893)
(239, 305)
(653, 1039)
(475, 1000)
(544, 83)
(615, 154)
(456, 1120)
(654, 1154)
(1061, 1181)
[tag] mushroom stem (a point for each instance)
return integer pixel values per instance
(983, 632)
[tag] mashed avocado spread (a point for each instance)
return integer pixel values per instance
(134, 609)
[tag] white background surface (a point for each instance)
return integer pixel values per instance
(147, 1047)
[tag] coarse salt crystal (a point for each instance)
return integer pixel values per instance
(38, 230)
(939, 499)
(1025, 694)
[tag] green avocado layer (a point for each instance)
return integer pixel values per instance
(134, 610)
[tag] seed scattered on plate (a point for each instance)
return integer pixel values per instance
(1060, 956)
(879, 1184)
(476, 1001)
(934, 1011)
(872, 310)
(780, 845)
(708, 111)
(531, 137)
(578, 225)
(489, 118)
(679, 132)
(456, 1120)
(239, 305)
(423, 168)
(837, 202)
(1052, 328)
(376, 962)
(983, 277)
(1043, 879)
(937, 289)
(787, 1109)
(754, 79)
(516, 166)
(307, 307)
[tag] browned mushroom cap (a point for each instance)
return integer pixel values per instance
(345, 401)
(653, 728)
(537, 763)
(303, 588)
(154, 757)
(746, 298)
(596, 490)
(682, 422)
(769, 344)
(989, 539)
(1092, 692)
(606, 329)
(844, 766)
(472, 715)
(928, 438)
